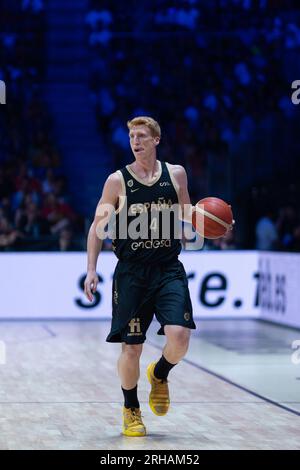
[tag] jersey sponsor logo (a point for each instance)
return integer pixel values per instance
(130, 183)
(165, 183)
(149, 244)
(134, 190)
(135, 327)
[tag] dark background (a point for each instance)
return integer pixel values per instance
(216, 75)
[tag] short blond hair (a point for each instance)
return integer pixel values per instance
(145, 121)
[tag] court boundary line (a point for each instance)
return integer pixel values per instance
(108, 319)
(234, 384)
(121, 402)
(188, 361)
(279, 325)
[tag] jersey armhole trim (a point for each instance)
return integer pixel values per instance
(122, 196)
(174, 182)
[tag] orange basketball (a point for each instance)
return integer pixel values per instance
(212, 217)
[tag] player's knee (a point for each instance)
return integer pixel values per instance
(132, 351)
(179, 336)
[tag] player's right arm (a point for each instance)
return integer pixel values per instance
(110, 195)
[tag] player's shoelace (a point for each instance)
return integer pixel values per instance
(160, 389)
(134, 417)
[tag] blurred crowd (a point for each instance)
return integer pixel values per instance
(273, 220)
(35, 208)
(210, 72)
(276, 216)
(106, 17)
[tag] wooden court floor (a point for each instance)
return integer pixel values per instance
(60, 390)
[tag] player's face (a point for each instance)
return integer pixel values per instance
(142, 142)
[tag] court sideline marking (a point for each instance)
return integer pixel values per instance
(207, 371)
(230, 382)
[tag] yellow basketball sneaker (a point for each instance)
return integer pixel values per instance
(159, 399)
(133, 425)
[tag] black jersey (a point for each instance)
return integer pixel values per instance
(150, 216)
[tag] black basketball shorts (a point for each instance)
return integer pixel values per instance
(141, 290)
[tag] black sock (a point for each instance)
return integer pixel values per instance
(162, 368)
(130, 398)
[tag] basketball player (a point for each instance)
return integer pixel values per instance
(148, 277)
